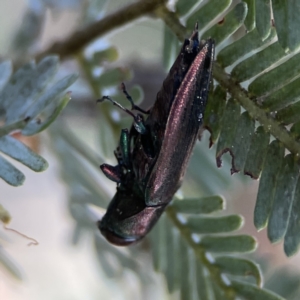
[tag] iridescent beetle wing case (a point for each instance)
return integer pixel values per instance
(153, 156)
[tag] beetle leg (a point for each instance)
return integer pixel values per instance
(129, 98)
(139, 124)
(118, 155)
(138, 119)
(125, 147)
(122, 154)
(111, 172)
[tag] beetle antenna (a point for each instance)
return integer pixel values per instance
(138, 119)
(129, 98)
(117, 104)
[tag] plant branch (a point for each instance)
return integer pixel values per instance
(78, 40)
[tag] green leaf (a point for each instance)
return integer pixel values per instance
(173, 270)
(214, 113)
(27, 104)
(266, 191)
(18, 151)
(242, 142)
(45, 100)
(209, 225)
(161, 240)
(203, 282)
(289, 114)
(231, 22)
(250, 19)
(187, 268)
(250, 67)
(220, 244)
(199, 206)
(257, 153)
(184, 6)
(110, 54)
(292, 237)
(10, 174)
(239, 267)
(283, 199)
(242, 47)
(79, 173)
(5, 73)
(276, 77)
(25, 86)
(206, 13)
(202, 176)
(283, 97)
(229, 125)
(286, 15)
(250, 291)
(263, 17)
(47, 116)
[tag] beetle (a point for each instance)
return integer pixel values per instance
(153, 155)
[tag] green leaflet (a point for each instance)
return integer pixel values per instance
(283, 198)
(200, 205)
(263, 17)
(266, 190)
(232, 21)
(206, 13)
(28, 102)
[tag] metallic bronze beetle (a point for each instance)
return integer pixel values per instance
(153, 156)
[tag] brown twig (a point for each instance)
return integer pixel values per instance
(79, 39)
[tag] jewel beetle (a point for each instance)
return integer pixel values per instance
(153, 155)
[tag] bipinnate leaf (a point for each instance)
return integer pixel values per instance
(202, 268)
